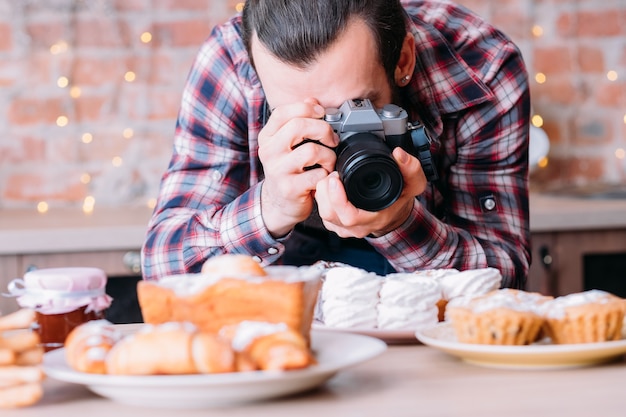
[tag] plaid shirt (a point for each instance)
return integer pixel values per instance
(469, 88)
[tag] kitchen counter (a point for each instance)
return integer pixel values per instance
(67, 230)
(549, 213)
(71, 230)
(406, 380)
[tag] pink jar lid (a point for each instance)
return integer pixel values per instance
(61, 290)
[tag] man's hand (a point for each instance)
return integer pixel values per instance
(295, 150)
(341, 217)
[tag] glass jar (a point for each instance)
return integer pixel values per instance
(62, 298)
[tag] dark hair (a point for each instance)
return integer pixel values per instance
(298, 31)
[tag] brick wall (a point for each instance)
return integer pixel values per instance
(88, 105)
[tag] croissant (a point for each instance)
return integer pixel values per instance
(88, 344)
(170, 348)
(269, 346)
(284, 350)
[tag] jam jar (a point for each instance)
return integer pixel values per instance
(62, 298)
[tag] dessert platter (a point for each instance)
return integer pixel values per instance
(236, 332)
(390, 336)
(392, 307)
(539, 355)
(334, 352)
(509, 328)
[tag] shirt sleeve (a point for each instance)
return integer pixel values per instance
(209, 199)
(484, 213)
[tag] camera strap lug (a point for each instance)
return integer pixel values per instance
(421, 145)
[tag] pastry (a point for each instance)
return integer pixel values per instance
(349, 297)
(269, 346)
(88, 344)
(408, 301)
(231, 294)
(585, 317)
(171, 349)
(20, 356)
(500, 317)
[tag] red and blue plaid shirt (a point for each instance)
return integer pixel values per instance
(470, 89)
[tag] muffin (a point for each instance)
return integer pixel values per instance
(584, 317)
(472, 282)
(500, 317)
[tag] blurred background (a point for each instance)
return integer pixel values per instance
(89, 92)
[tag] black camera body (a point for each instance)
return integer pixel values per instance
(365, 164)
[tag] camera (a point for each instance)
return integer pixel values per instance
(367, 136)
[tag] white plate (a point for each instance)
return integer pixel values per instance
(388, 336)
(535, 356)
(334, 352)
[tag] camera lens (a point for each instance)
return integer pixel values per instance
(368, 172)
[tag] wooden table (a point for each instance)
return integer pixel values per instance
(407, 380)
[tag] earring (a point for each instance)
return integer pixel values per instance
(404, 79)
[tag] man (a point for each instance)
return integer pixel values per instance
(253, 168)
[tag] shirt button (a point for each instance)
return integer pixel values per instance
(216, 175)
(257, 259)
(489, 204)
(272, 251)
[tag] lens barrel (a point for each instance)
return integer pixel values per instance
(369, 173)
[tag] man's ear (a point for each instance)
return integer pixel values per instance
(406, 62)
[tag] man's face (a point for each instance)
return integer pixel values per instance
(349, 69)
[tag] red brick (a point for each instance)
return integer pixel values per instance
(98, 71)
(6, 38)
(43, 34)
(131, 5)
(599, 23)
(590, 59)
(513, 21)
(182, 4)
(38, 186)
(23, 149)
(553, 60)
(589, 129)
(101, 31)
(91, 108)
(558, 91)
(610, 94)
(181, 33)
(24, 111)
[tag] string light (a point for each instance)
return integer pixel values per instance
(146, 37)
(88, 204)
(540, 77)
(117, 161)
(63, 82)
(86, 137)
(239, 7)
(611, 75)
(42, 207)
(62, 121)
(537, 120)
(58, 48)
(85, 178)
(151, 203)
(543, 162)
(128, 133)
(75, 91)
(130, 76)
(537, 31)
